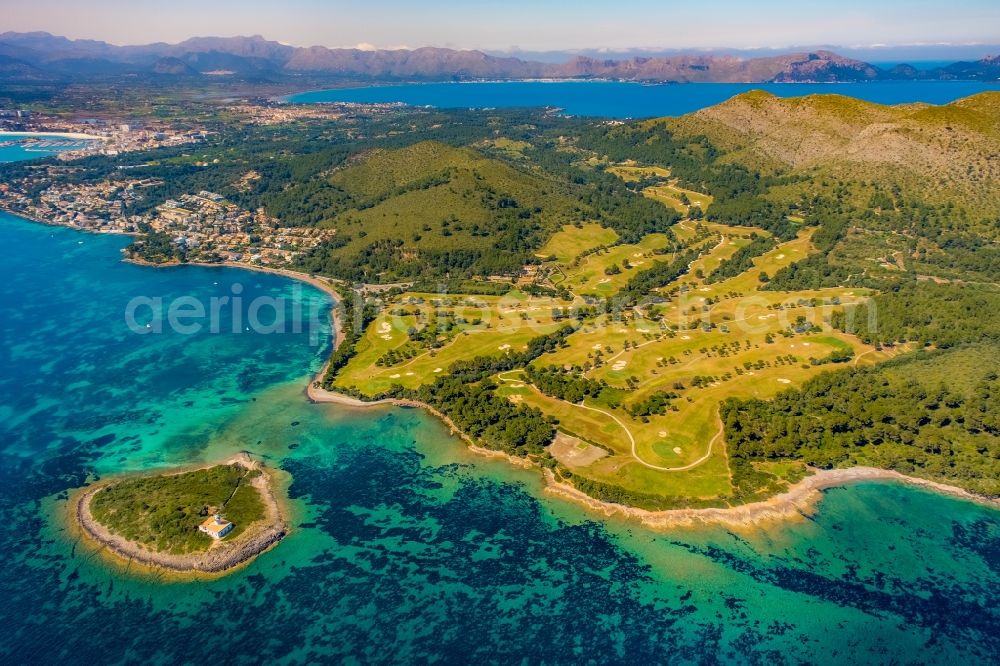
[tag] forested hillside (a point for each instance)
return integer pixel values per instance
(933, 415)
(905, 202)
(432, 209)
(941, 153)
(898, 191)
(710, 266)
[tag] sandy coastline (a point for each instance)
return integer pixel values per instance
(54, 135)
(222, 557)
(799, 500)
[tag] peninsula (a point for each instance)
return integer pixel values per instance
(665, 315)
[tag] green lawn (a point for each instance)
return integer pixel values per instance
(605, 272)
(568, 244)
(484, 326)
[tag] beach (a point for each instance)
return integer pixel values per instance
(53, 135)
(801, 499)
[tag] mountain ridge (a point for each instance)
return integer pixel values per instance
(41, 55)
(942, 152)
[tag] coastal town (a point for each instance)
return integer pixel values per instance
(92, 136)
(198, 226)
(202, 226)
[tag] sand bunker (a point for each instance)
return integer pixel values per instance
(677, 450)
(503, 347)
(784, 381)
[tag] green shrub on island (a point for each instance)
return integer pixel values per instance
(163, 512)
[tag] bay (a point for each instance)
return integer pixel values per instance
(615, 99)
(405, 546)
(17, 146)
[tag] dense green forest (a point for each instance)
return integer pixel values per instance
(915, 415)
(354, 313)
(659, 275)
(157, 247)
(927, 314)
(468, 397)
(559, 383)
(432, 210)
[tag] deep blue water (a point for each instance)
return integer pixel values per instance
(632, 100)
(405, 547)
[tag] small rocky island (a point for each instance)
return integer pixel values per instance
(209, 519)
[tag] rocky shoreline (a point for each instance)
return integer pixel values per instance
(220, 558)
(799, 500)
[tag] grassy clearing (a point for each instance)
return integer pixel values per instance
(675, 197)
(632, 174)
(667, 193)
(510, 147)
(572, 241)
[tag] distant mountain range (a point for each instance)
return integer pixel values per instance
(40, 56)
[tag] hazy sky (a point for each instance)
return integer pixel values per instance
(527, 24)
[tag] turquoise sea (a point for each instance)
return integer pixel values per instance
(615, 99)
(16, 150)
(405, 547)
